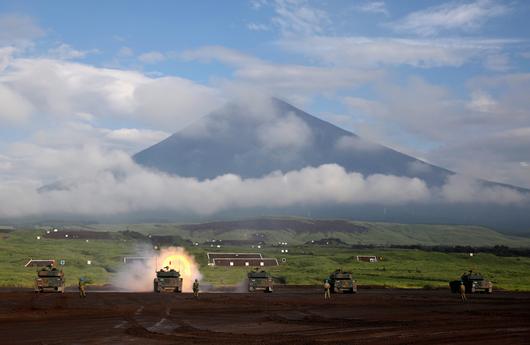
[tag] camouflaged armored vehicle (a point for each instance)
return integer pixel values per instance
(167, 280)
(473, 282)
(342, 282)
(259, 280)
(49, 279)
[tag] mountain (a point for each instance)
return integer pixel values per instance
(254, 140)
(232, 141)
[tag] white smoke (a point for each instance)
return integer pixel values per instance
(138, 276)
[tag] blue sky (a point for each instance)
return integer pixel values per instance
(444, 81)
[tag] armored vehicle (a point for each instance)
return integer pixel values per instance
(473, 282)
(259, 280)
(342, 282)
(49, 279)
(167, 280)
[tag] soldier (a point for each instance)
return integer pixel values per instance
(196, 288)
(462, 291)
(81, 286)
(327, 286)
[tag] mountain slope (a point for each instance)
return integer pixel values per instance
(281, 137)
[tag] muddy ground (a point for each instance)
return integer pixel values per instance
(287, 316)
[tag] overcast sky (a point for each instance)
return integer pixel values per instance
(447, 82)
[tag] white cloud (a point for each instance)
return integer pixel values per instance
(378, 7)
(257, 27)
(18, 31)
(5, 56)
(364, 105)
(96, 182)
(291, 81)
(369, 51)
(61, 89)
(297, 17)
(135, 135)
(418, 107)
(288, 133)
(490, 155)
(460, 189)
(152, 57)
(13, 107)
(65, 52)
(113, 184)
(257, 4)
(482, 102)
(455, 16)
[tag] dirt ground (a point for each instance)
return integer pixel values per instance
(287, 316)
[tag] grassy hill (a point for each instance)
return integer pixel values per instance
(298, 231)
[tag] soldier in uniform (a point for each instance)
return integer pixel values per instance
(462, 291)
(196, 288)
(81, 286)
(327, 287)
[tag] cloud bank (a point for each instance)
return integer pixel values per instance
(110, 183)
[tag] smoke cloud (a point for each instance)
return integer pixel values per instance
(138, 276)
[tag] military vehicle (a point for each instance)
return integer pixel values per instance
(49, 279)
(473, 282)
(342, 282)
(167, 280)
(259, 280)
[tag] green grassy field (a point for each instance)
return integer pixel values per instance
(17, 247)
(305, 264)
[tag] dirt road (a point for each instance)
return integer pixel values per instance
(287, 316)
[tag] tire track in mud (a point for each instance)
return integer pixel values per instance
(285, 317)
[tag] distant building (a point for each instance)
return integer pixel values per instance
(240, 260)
(367, 258)
(39, 263)
(245, 262)
(135, 259)
(213, 256)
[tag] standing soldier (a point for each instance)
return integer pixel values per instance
(463, 291)
(196, 288)
(327, 293)
(81, 286)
